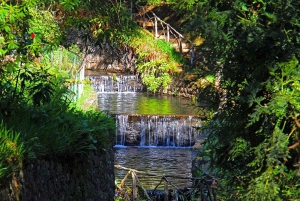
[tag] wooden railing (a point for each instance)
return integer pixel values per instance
(203, 189)
(168, 31)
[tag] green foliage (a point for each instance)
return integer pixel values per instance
(158, 61)
(70, 4)
(63, 61)
(44, 26)
(150, 2)
(111, 22)
(55, 129)
(210, 78)
(253, 141)
(178, 4)
(12, 150)
(12, 29)
(88, 95)
(119, 199)
(100, 20)
(38, 119)
(155, 74)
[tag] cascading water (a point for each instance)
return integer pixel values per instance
(162, 143)
(144, 130)
(157, 130)
(116, 83)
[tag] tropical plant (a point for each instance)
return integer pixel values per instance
(38, 117)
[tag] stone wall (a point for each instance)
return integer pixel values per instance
(115, 59)
(111, 58)
(180, 87)
(79, 178)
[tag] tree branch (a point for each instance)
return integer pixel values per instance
(296, 120)
(293, 146)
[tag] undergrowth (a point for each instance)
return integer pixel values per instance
(39, 120)
(157, 61)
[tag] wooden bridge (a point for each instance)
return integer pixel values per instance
(204, 189)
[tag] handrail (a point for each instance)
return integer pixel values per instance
(180, 35)
(171, 30)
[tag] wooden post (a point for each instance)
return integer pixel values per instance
(168, 33)
(134, 191)
(60, 58)
(202, 189)
(192, 55)
(213, 186)
(180, 45)
(155, 26)
(166, 191)
(131, 8)
(144, 18)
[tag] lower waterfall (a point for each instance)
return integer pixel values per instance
(157, 130)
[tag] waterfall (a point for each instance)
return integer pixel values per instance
(123, 125)
(137, 129)
(114, 83)
(157, 130)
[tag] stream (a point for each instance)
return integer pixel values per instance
(155, 133)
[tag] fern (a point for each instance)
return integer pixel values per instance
(12, 150)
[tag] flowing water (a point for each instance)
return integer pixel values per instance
(160, 129)
(157, 160)
(157, 130)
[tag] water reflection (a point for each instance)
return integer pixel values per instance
(144, 103)
(162, 161)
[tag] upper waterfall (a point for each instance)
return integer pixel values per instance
(116, 83)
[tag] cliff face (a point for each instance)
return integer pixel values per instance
(85, 177)
(111, 58)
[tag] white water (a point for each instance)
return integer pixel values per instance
(157, 130)
(116, 83)
(118, 96)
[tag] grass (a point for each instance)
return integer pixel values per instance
(88, 99)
